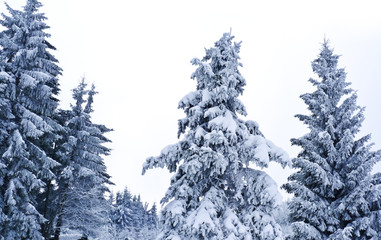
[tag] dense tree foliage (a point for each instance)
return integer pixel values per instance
(54, 182)
(29, 87)
(132, 219)
(335, 193)
(83, 178)
(213, 193)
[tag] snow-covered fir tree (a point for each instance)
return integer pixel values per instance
(335, 195)
(152, 219)
(83, 180)
(214, 194)
(122, 213)
(29, 86)
(5, 123)
(133, 220)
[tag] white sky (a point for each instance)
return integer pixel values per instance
(138, 54)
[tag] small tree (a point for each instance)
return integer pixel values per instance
(333, 184)
(213, 193)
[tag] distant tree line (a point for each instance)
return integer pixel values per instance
(131, 219)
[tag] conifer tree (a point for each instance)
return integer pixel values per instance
(213, 193)
(152, 217)
(333, 184)
(29, 87)
(122, 216)
(83, 181)
(5, 123)
(131, 219)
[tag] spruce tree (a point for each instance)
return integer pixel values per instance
(131, 219)
(152, 217)
(122, 215)
(214, 194)
(29, 87)
(83, 180)
(333, 184)
(5, 123)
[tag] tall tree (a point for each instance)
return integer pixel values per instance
(333, 184)
(83, 181)
(213, 193)
(29, 74)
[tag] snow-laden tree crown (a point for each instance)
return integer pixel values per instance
(214, 194)
(28, 89)
(336, 197)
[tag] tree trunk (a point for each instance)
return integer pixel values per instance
(57, 232)
(47, 224)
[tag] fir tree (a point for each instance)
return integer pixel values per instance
(139, 212)
(122, 216)
(213, 193)
(29, 88)
(131, 219)
(5, 123)
(152, 220)
(332, 186)
(83, 181)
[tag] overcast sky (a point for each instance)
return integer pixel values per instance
(138, 55)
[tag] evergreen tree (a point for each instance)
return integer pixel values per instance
(122, 216)
(139, 212)
(83, 181)
(29, 88)
(5, 123)
(213, 193)
(131, 219)
(332, 186)
(152, 220)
